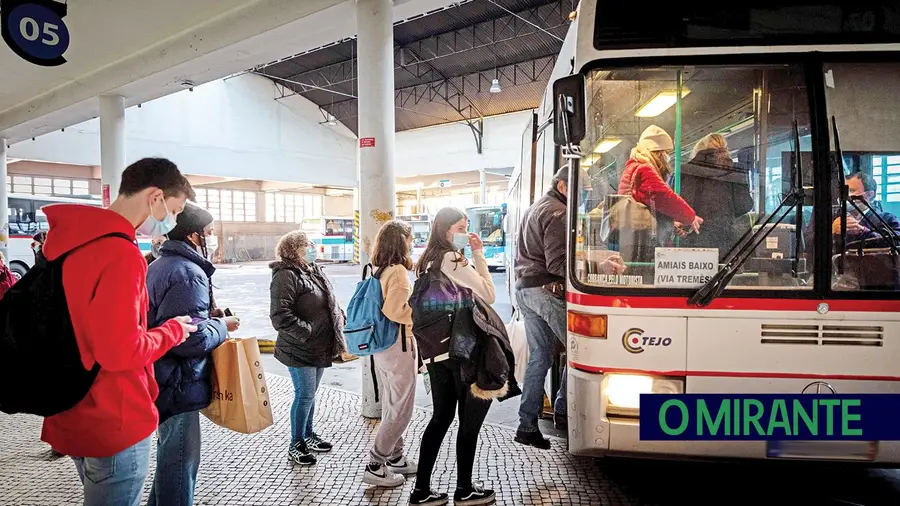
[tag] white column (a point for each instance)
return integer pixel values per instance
(377, 193)
(483, 187)
(4, 202)
(112, 145)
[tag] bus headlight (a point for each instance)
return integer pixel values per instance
(623, 391)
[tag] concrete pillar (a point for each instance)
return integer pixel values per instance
(377, 193)
(112, 145)
(4, 202)
(483, 187)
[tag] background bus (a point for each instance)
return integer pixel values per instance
(793, 317)
(488, 222)
(26, 219)
(421, 226)
(333, 237)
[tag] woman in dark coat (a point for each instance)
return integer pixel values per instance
(718, 189)
(179, 283)
(310, 327)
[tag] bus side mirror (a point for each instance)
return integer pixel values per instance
(569, 110)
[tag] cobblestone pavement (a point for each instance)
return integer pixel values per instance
(240, 469)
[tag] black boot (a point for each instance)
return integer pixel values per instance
(535, 439)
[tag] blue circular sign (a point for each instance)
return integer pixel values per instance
(39, 32)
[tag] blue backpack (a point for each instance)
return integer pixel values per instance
(368, 330)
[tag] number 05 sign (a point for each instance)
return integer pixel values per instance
(35, 30)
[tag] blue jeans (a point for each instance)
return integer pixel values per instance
(116, 480)
(545, 327)
(177, 461)
(306, 382)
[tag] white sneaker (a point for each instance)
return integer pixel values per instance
(381, 476)
(403, 465)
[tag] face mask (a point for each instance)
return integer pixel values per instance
(311, 254)
(212, 244)
(157, 228)
(460, 241)
(154, 250)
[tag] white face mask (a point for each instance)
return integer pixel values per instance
(212, 244)
(460, 241)
(158, 228)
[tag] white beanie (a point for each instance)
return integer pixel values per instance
(655, 139)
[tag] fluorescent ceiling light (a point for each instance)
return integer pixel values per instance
(660, 103)
(605, 145)
(588, 162)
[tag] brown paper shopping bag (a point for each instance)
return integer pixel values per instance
(240, 398)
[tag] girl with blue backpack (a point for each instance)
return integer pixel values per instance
(396, 366)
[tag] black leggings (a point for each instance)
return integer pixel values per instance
(448, 391)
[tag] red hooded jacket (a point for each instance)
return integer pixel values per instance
(642, 182)
(105, 285)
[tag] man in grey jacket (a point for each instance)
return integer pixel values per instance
(540, 292)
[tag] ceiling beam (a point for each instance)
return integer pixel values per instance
(487, 34)
(511, 75)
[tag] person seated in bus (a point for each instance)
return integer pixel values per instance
(859, 228)
(540, 268)
(644, 179)
(716, 188)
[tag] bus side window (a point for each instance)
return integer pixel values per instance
(18, 216)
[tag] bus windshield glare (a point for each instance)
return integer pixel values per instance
(721, 143)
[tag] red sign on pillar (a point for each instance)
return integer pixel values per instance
(106, 196)
(367, 142)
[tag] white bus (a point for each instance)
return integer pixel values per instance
(769, 299)
(26, 220)
(333, 237)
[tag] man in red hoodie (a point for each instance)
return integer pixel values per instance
(108, 433)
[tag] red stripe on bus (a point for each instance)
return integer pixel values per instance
(734, 374)
(870, 306)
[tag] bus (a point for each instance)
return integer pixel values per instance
(775, 297)
(26, 219)
(488, 222)
(421, 227)
(333, 237)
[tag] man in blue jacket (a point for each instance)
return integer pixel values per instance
(178, 282)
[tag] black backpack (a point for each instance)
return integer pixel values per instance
(434, 301)
(35, 327)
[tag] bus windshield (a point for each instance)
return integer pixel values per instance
(487, 222)
(717, 143)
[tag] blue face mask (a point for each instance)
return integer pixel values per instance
(158, 228)
(460, 241)
(311, 254)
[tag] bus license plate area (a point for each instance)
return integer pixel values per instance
(822, 450)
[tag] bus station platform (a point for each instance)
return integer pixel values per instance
(252, 470)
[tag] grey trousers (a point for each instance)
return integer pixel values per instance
(396, 373)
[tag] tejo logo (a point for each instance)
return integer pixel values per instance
(634, 340)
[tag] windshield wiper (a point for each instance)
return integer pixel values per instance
(886, 233)
(748, 243)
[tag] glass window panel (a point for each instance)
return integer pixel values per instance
(719, 120)
(864, 90)
(22, 180)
